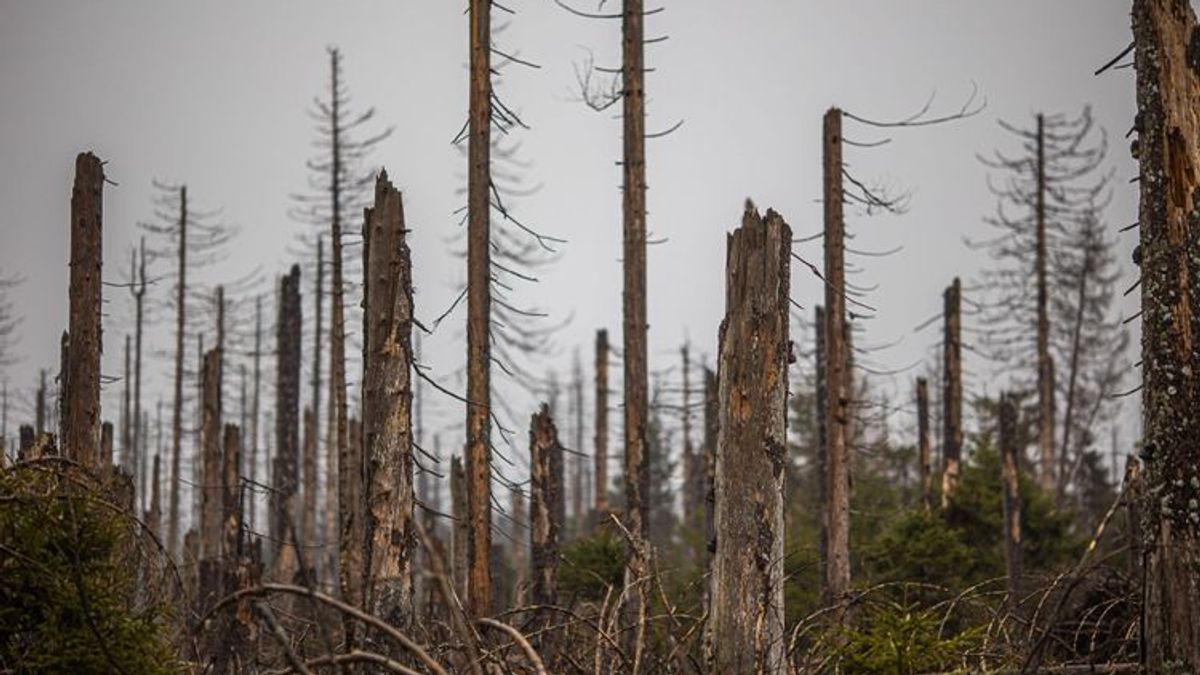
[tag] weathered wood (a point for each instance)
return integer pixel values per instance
(40, 404)
(106, 445)
(517, 559)
(81, 421)
(154, 513)
(308, 481)
(460, 530)
(952, 435)
(745, 630)
(137, 287)
(822, 407)
(1010, 477)
(127, 458)
(712, 427)
(211, 485)
(387, 407)
(635, 358)
(254, 410)
(173, 515)
(1168, 95)
(545, 505)
(286, 477)
(838, 405)
(231, 501)
(601, 430)
(924, 456)
(479, 301)
(1045, 377)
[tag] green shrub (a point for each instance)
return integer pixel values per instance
(899, 639)
(70, 597)
(590, 565)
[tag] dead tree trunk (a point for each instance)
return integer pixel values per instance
(479, 300)
(173, 521)
(287, 404)
(40, 404)
(712, 427)
(140, 442)
(64, 382)
(1168, 143)
(154, 514)
(952, 436)
(601, 458)
(520, 567)
(546, 497)
(1045, 382)
(127, 459)
(822, 412)
(838, 412)
(387, 407)
(1012, 497)
(745, 631)
(81, 440)
(924, 459)
(106, 444)
(211, 480)
(308, 472)
(254, 408)
(578, 458)
(690, 500)
(636, 360)
(460, 528)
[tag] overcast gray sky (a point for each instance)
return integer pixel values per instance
(214, 94)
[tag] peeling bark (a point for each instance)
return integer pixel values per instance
(545, 505)
(745, 630)
(81, 419)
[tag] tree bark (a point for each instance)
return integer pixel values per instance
(545, 504)
(211, 481)
(601, 458)
(387, 407)
(633, 164)
(106, 445)
(127, 458)
(822, 412)
(1012, 497)
(154, 515)
(81, 440)
(745, 631)
(1045, 382)
(254, 408)
(308, 491)
(287, 404)
(140, 442)
(838, 412)
(1168, 143)
(479, 301)
(952, 436)
(460, 527)
(173, 521)
(924, 458)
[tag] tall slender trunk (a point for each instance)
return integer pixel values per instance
(952, 436)
(1168, 144)
(211, 477)
(173, 521)
(578, 460)
(924, 459)
(822, 412)
(838, 411)
(712, 424)
(127, 456)
(745, 631)
(460, 529)
(308, 481)
(689, 460)
(479, 493)
(154, 514)
(81, 441)
(387, 407)
(139, 439)
(287, 404)
(1045, 380)
(40, 404)
(601, 431)
(254, 406)
(1012, 496)
(1073, 374)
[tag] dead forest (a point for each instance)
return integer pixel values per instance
(270, 496)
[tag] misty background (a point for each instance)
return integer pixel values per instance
(215, 95)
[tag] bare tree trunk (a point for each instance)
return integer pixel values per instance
(81, 440)
(460, 528)
(952, 436)
(520, 567)
(924, 458)
(173, 521)
(287, 403)
(308, 472)
(106, 444)
(1012, 497)
(838, 412)
(40, 404)
(1168, 143)
(64, 382)
(140, 442)
(479, 492)
(211, 481)
(545, 503)
(745, 631)
(127, 458)
(254, 408)
(601, 458)
(690, 496)
(578, 459)
(387, 407)
(154, 515)
(1045, 380)
(1073, 373)
(708, 468)
(822, 412)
